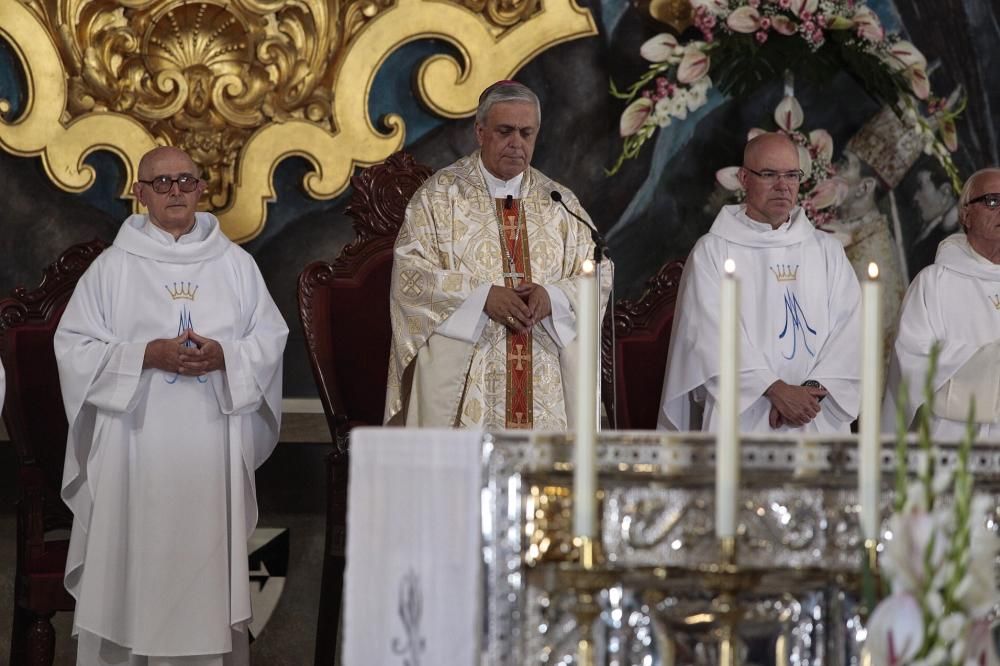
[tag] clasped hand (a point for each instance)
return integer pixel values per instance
(520, 308)
(176, 355)
(792, 405)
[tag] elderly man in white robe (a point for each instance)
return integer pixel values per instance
(955, 302)
(484, 284)
(170, 355)
(799, 318)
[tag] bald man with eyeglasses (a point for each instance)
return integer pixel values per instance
(956, 302)
(799, 318)
(170, 356)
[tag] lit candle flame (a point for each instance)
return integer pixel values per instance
(588, 266)
(730, 266)
(873, 271)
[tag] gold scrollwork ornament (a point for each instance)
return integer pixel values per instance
(243, 84)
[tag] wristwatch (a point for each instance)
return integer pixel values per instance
(812, 383)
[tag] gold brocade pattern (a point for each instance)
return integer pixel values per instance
(243, 84)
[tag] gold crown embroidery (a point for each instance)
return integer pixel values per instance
(995, 300)
(182, 290)
(785, 272)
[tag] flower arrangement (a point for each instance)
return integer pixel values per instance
(821, 190)
(940, 563)
(746, 43)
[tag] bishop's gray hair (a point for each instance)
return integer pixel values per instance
(506, 91)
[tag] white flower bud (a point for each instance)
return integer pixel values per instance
(952, 627)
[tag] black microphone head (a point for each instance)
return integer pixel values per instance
(555, 196)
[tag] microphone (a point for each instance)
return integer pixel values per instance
(509, 203)
(600, 246)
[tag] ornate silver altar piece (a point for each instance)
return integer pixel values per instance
(793, 594)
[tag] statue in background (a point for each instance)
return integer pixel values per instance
(874, 162)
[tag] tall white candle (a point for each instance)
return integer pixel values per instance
(727, 451)
(585, 451)
(869, 459)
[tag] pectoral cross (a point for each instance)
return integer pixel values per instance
(514, 276)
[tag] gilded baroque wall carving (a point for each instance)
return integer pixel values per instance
(244, 84)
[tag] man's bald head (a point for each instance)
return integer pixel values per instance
(764, 145)
(770, 178)
(149, 161)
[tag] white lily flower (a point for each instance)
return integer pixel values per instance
(805, 162)
(919, 83)
(821, 140)
(788, 114)
(660, 48)
(745, 19)
(895, 630)
(980, 648)
(798, 7)
(904, 54)
(728, 179)
(634, 116)
(694, 64)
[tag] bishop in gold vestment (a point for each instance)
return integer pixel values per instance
(484, 285)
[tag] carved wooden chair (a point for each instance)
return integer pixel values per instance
(344, 309)
(641, 340)
(36, 422)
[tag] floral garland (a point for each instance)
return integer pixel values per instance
(939, 562)
(746, 43)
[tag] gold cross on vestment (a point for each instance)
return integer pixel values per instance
(519, 418)
(519, 357)
(511, 224)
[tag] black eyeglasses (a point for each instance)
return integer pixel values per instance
(991, 200)
(769, 176)
(162, 184)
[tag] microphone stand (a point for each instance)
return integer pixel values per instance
(600, 253)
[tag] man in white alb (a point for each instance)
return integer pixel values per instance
(956, 302)
(799, 318)
(169, 357)
(484, 284)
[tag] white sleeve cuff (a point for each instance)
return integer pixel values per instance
(561, 324)
(468, 321)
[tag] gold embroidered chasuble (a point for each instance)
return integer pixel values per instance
(450, 244)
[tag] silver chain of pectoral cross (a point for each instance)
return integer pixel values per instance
(508, 253)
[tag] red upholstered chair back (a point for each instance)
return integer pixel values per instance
(344, 306)
(642, 337)
(36, 423)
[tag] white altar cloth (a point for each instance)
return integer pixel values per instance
(413, 579)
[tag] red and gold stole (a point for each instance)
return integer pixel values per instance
(517, 269)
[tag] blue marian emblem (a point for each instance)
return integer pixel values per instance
(795, 316)
(183, 325)
(411, 604)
